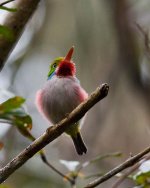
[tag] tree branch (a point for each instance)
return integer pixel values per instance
(146, 40)
(128, 163)
(53, 132)
(6, 2)
(42, 155)
(44, 159)
(126, 174)
(16, 22)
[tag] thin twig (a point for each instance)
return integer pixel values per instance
(132, 169)
(53, 132)
(5, 121)
(125, 175)
(6, 2)
(145, 35)
(44, 159)
(100, 157)
(43, 156)
(128, 163)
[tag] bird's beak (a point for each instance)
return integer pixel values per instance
(69, 55)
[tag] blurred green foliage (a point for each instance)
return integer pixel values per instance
(6, 32)
(8, 9)
(13, 112)
(143, 180)
(4, 186)
(75, 167)
(142, 177)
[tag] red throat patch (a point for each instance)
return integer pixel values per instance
(66, 68)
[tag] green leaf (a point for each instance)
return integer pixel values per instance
(143, 179)
(8, 9)
(6, 32)
(12, 111)
(23, 121)
(11, 104)
(25, 132)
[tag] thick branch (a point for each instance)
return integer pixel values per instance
(53, 132)
(16, 22)
(128, 163)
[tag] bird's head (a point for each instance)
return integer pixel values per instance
(63, 66)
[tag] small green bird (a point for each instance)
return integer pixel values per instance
(61, 94)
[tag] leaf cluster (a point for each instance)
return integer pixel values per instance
(13, 112)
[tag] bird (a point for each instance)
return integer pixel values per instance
(61, 94)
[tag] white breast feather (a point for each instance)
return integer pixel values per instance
(59, 97)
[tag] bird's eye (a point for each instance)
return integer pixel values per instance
(54, 65)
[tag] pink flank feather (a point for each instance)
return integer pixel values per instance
(38, 102)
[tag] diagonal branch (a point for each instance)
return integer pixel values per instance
(146, 39)
(6, 2)
(130, 171)
(15, 22)
(128, 163)
(53, 132)
(44, 159)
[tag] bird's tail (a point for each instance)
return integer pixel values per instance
(79, 143)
